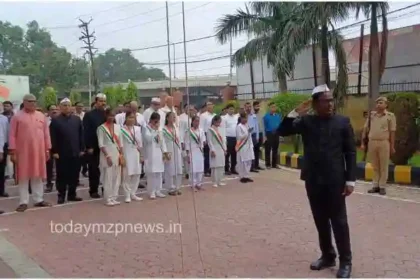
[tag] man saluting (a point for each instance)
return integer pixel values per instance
(328, 170)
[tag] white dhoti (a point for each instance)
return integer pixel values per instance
(130, 184)
(37, 190)
(217, 175)
(111, 182)
(244, 168)
(154, 182)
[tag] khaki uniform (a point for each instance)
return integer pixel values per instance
(379, 147)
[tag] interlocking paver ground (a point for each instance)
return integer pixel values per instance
(261, 229)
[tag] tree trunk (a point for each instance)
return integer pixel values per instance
(251, 72)
(325, 62)
(374, 59)
(384, 45)
(282, 82)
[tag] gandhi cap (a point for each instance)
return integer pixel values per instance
(320, 89)
(155, 100)
(65, 100)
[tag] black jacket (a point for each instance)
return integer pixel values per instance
(329, 145)
(91, 121)
(67, 136)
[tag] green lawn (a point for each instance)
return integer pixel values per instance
(287, 147)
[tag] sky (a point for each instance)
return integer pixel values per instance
(140, 24)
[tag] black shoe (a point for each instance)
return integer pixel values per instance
(5, 194)
(243, 180)
(74, 198)
(60, 200)
(322, 263)
(234, 173)
(254, 170)
(1, 212)
(344, 271)
(187, 176)
(228, 173)
(374, 190)
(141, 186)
(249, 180)
(382, 191)
(95, 195)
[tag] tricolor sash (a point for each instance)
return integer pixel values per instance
(112, 136)
(196, 138)
(171, 134)
(218, 137)
(156, 138)
(128, 135)
(241, 143)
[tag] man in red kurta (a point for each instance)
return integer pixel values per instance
(29, 146)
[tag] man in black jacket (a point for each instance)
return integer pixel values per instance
(67, 143)
(91, 121)
(328, 170)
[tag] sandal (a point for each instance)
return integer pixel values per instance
(22, 208)
(42, 204)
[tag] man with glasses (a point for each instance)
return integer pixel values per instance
(29, 147)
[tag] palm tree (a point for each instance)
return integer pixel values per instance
(377, 55)
(314, 23)
(266, 22)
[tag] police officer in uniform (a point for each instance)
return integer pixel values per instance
(329, 172)
(381, 134)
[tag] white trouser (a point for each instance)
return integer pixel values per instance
(217, 174)
(37, 190)
(111, 182)
(196, 179)
(172, 182)
(154, 182)
(130, 183)
(243, 168)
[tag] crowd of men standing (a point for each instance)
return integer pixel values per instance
(65, 137)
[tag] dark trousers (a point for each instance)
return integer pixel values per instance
(83, 164)
(328, 207)
(67, 176)
(257, 146)
(231, 154)
(206, 151)
(94, 173)
(271, 149)
(50, 168)
(3, 163)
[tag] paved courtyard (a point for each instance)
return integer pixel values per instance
(260, 229)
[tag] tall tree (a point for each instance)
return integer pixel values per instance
(377, 54)
(120, 66)
(266, 22)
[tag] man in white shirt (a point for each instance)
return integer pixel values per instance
(79, 110)
(154, 107)
(168, 107)
(205, 124)
(133, 107)
(231, 121)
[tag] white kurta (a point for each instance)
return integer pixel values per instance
(194, 143)
(132, 140)
(154, 146)
(217, 144)
(246, 153)
(173, 145)
(105, 140)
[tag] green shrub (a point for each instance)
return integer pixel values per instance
(219, 107)
(131, 92)
(405, 107)
(48, 97)
(286, 102)
(75, 96)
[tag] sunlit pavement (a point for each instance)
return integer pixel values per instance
(260, 229)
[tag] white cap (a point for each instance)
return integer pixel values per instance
(101, 95)
(65, 100)
(320, 88)
(155, 100)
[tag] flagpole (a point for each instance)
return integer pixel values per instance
(169, 48)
